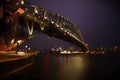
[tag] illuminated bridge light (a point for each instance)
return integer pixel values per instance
(62, 28)
(45, 17)
(35, 10)
(68, 32)
(65, 30)
(42, 18)
(71, 35)
(52, 22)
(77, 39)
(57, 25)
(42, 28)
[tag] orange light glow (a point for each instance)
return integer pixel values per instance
(21, 11)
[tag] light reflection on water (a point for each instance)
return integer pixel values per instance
(72, 67)
(55, 67)
(78, 67)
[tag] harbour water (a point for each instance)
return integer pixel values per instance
(72, 67)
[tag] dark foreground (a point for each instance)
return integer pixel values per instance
(71, 67)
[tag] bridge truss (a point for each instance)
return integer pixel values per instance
(27, 20)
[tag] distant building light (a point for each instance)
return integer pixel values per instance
(101, 48)
(53, 49)
(68, 52)
(60, 48)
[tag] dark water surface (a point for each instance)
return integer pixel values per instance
(74, 67)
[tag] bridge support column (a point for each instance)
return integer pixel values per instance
(51, 18)
(30, 29)
(44, 15)
(42, 26)
(57, 20)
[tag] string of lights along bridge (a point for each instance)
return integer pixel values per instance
(30, 20)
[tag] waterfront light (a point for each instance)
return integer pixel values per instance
(19, 42)
(21, 53)
(26, 46)
(29, 48)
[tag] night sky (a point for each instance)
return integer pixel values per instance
(98, 21)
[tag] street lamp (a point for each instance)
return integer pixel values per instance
(18, 43)
(29, 48)
(26, 47)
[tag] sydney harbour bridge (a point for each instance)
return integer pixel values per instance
(21, 21)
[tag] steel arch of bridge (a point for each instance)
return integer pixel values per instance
(38, 19)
